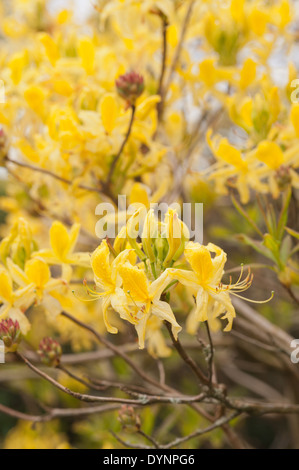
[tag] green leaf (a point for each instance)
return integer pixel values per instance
(257, 246)
(283, 218)
(292, 232)
(285, 249)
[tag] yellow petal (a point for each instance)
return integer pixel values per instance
(86, 51)
(50, 46)
(134, 283)
(38, 272)
(139, 194)
(226, 152)
(271, 154)
(248, 73)
(172, 35)
(200, 260)
(101, 266)
(163, 311)
(74, 233)
(60, 240)
(6, 293)
(258, 21)
(17, 64)
(35, 97)
(108, 112)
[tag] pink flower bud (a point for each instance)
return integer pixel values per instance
(10, 334)
(130, 86)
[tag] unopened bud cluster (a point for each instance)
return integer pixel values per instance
(129, 420)
(130, 86)
(10, 334)
(50, 352)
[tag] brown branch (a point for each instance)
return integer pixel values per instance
(116, 350)
(51, 174)
(128, 444)
(160, 105)
(211, 356)
(199, 432)
(54, 413)
(106, 184)
(142, 400)
(150, 439)
(185, 356)
(179, 46)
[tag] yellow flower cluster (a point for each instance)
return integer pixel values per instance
(138, 281)
(132, 279)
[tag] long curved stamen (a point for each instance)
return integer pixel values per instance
(90, 292)
(254, 301)
(239, 286)
(81, 298)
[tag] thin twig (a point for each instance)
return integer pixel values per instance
(211, 355)
(129, 444)
(106, 184)
(118, 352)
(54, 413)
(52, 175)
(142, 400)
(179, 46)
(199, 432)
(150, 439)
(185, 356)
(160, 105)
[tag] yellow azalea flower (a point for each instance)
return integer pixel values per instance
(279, 167)
(212, 297)
(62, 249)
(37, 284)
(107, 279)
(230, 164)
(14, 303)
(143, 298)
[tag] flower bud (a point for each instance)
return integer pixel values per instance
(10, 334)
(177, 234)
(132, 230)
(130, 86)
(129, 420)
(149, 234)
(49, 352)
